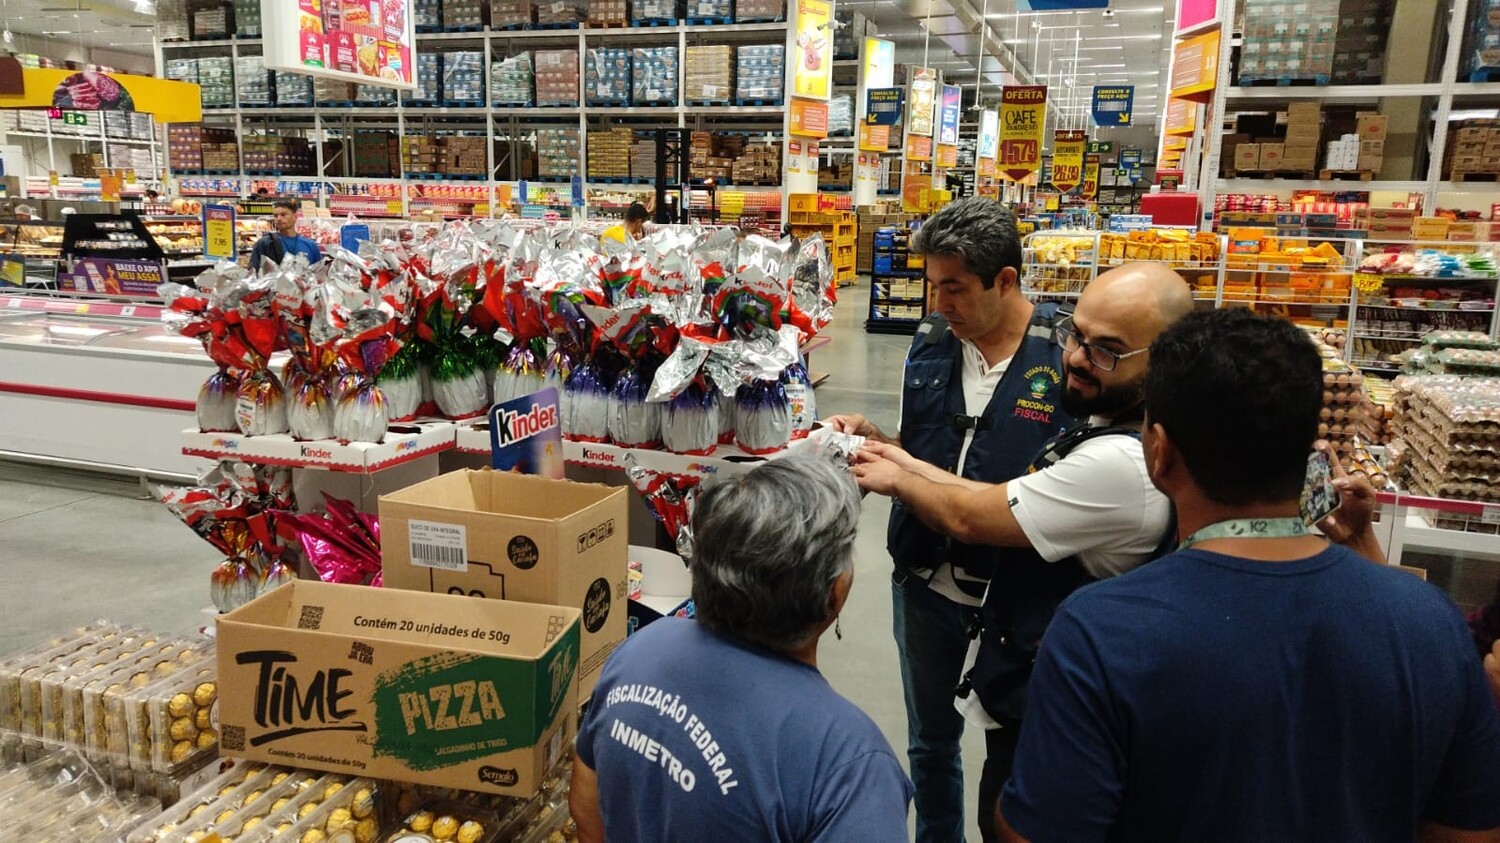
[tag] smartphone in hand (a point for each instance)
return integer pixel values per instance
(1319, 497)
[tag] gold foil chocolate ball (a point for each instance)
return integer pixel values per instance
(306, 809)
(313, 835)
(250, 797)
(280, 803)
(181, 750)
(224, 815)
(444, 828)
(205, 694)
(338, 819)
(420, 821)
(279, 778)
(366, 830)
(283, 828)
(203, 719)
(330, 790)
(182, 729)
(363, 804)
(249, 824)
(196, 811)
(470, 832)
(207, 738)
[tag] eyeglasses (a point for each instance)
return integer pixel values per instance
(1100, 358)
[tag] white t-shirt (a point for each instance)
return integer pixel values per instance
(1097, 503)
(979, 381)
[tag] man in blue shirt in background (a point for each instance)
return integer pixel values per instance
(1260, 684)
(723, 729)
(285, 240)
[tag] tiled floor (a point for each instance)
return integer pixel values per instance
(78, 547)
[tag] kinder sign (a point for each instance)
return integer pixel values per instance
(526, 435)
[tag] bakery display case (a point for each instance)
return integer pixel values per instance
(34, 249)
(179, 236)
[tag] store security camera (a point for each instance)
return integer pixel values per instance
(1109, 13)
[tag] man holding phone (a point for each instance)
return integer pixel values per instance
(1259, 684)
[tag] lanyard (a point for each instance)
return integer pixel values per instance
(1248, 528)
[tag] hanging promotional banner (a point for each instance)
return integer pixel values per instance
(1130, 158)
(880, 63)
(987, 168)
(1195, 67)
(809, 118)
(167, 100)
(1090, 177)
(921, 101)
(883, 106)
(1023, 115)
(1059, 5)
(1067, 159)
(948, 120)
(812, 75)
(918, 148)
(1181, 117)
(874, 138)
(947, 156)
(371, 43)
(989, 135)
(1112, 104)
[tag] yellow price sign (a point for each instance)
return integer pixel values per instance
(218, 232)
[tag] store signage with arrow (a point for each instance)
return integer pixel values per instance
(1112, 104)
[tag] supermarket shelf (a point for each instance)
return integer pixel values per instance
(1257, 185)
(217, 42)
(1476, 89)
(1332, 94)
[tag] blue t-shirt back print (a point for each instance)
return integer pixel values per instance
(696, 737)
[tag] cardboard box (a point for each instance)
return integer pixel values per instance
(423, 688)
(515, 537)
(1299, 112)
(1304, 133)
(1247, 156)
(1272, 156)
(1371, 126)
(1300, 156)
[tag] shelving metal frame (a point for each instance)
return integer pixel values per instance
(510, 121)
(154, 143)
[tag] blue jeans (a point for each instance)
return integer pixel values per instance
(931, 640)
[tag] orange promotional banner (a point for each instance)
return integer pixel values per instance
(1195, 66)
(874, 138)
(167, 100)
(947, 156)
(918, 148)
(1181, 118)
(809, 118)
(1023, 116)
(1067, 159)
(1090, 177)
(987, 167)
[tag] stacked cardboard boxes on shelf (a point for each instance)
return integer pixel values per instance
(1371, 128)
(653, 10)
(463, 77)
(750, 11)
(869, 218)
(850, 33)
(710, 10)
(1304, 131)
(511, 80)
(429, 79)
(512, 14)
(375, 94)
(462, 155)
(607, 76)
(709, 75)
(643, 161)
(1360, 45)
(216, 79)
(332, 91)
(653, 76)
(712, 156)
(1482, 44)
(376, 154)
(85, 165)
(561, 11)
(608, 13)
(247, 18)
(1387, 223)
(279, 155)
(1473, 147)
(1285, 40)
(609, 153)
(557, 153)
(557, 77)
(199, 147)
(427, 14)
(293, 90)
(463, 14)
(758, 164)
(759, 73)
(252, 82)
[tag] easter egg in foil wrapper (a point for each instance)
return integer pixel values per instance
(690, 422)
(727, 413)
(260, 404)
(586, 405)
(277, 573)
(360, 415)
(801, 398)
(401, 381)
(309, 412)
(633, 423)
(216, 403)
(763, 417)
(458, 385)
(509, 384)
(233, 584)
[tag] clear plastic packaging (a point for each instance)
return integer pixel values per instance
(25, 664)
(201, 804)
(169, 726)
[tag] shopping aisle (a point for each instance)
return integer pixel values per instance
(77, 547)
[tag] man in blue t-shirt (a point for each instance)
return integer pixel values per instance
(723, 729)
(1259, 684)
(285, 240)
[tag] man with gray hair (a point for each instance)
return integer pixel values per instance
(723, 729)
(982, 393)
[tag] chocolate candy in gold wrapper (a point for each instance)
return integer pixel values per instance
(260, 404)
(233, 584)
(470, 832)
(444, 828)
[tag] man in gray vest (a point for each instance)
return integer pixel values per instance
(981, 394)
(1081, 508)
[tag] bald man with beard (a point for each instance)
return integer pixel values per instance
(1086, 511)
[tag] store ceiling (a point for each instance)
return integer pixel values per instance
(124, 26)
(1070, 52)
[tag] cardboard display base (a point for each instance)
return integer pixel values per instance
(404, 443)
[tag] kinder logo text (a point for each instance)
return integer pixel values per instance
(313, 452)
(598, 456)
(293, 701)
(516, 426)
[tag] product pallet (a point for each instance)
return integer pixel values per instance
(1348, 175)
(1272, 174)
(1283, 81)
